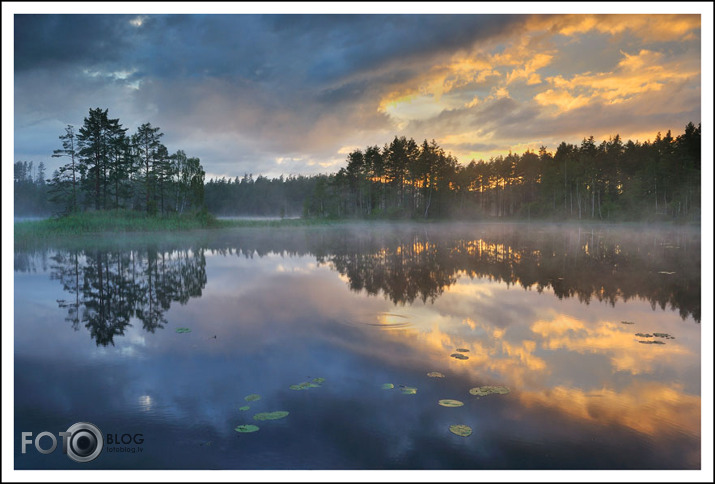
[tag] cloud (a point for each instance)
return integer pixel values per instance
(240, 91)
(647, 27)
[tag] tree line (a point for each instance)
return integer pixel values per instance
(108, 169)
(610, 180)
(261, 196)
(30, 194)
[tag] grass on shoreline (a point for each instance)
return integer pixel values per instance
(129, 223)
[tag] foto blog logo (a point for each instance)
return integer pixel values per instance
(82, 442)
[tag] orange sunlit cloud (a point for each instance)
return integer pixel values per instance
(635, 74)
(647, 27)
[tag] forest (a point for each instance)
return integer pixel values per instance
(611, 180)
(107, 169)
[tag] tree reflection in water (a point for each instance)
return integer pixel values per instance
(585, 265)
(406, 263)
(403, 262)
(111, 287)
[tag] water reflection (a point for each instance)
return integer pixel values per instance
(407, 264)
(108, 288)
(270, 308)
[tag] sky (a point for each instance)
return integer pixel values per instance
(289, 94)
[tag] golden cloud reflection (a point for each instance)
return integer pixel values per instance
(529, 357)
(647, 407)
(610, 338)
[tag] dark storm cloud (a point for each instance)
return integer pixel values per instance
(51, 41)
(283, 85)
(291, 48)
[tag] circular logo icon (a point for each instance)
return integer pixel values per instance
(85, 442)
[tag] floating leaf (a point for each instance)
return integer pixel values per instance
(304, 386)
(435, 374)
(644, 335)
(387, 386)
(488, 390)
(317, 380)
(463, 350)
(461, 430)
(409, 390)
(459, 356)
(271, 415)
(627, 322)
(653, 342)
(663, 335)
(183, 330)
(450, 403)
(252, 397)
(244, 408)
(245, 429)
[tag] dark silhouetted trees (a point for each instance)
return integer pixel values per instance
(107, 169)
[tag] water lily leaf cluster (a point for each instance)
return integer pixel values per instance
(450, 403)
(459, 356)
(461, 430)
(245, 429)
(314, 383)
(183, 330)
(488, 390)
(271, 415)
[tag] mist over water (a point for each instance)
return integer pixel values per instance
(594, 331)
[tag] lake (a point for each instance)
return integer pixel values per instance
(435, 346)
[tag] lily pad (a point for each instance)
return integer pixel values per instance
(450, 403)
(488, 390)
(627, 322)
(183, 330)
(387, 386)
(317, 380)
(459, 356)
(644, 335)
(409, 390)
(252, 397)
(663, 335)
(304, 386)
(463, 350)
(271, 415)
(244, 408)
(461, 430)
(245, 429)
(435, 374)
(653, 342)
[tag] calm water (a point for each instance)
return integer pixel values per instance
(541, 311)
